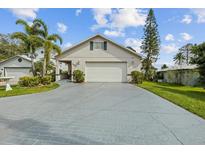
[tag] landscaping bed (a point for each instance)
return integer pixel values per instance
(17, 90)
(190, 98)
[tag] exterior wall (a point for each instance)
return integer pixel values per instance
(188, 77)
(82, 54)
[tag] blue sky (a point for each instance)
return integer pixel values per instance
(125, 26)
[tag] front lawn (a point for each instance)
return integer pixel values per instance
(190, 98)
(17, 90)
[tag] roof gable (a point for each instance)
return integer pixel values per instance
(98, 35)
(15, 57)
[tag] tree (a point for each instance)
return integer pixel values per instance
(49, 43)
(150, 45)
(29, 38)
(179, 58)
(186, 50)
(164, 66)
(10, 47)
(198, 58)
(39, 68)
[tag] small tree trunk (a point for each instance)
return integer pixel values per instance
(33, 66)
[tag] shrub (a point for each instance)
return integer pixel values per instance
(45, 80)
(137, 77)
(27, 81)
(78, 76)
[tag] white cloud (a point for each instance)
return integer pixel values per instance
(62, 28)
(170, 48)
(118, 19)
(100, 16)
(123, 18)
(169, 37)
(78, 12)
(67, 45)
(135, 43)
(187, 19)
(113, 33)
(186, 36)
(25, 13)
(200, 13)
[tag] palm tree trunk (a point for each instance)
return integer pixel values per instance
(32, 61)
(44, 66)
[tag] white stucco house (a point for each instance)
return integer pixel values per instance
(180, 74)
(101, 60)
(16, 66)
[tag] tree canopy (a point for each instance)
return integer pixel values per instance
(179, 58)
(198, 58)
(164, 66)
(10, 47)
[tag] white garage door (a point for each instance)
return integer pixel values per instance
(106, 72)
(17, 73)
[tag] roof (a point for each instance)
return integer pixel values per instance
(179, 67)
(20, 56)
(99, 35)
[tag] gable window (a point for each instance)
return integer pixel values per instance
(20, 60)
(98, 45)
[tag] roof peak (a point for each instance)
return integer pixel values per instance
(106, 38)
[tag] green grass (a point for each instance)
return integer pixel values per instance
(190, 98)
(17, 90)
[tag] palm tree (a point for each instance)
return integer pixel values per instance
(179, 58)
(49, 43)
(29, 38)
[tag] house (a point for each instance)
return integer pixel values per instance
(17, 67)
(101, 60)
(184, 74)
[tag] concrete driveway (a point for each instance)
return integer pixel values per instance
(97, 113)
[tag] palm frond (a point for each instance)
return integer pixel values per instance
(57, 49)
(36, 41)
(55, 37)
(22, 22)
(20, 36)
(27, 28)
(40, 23)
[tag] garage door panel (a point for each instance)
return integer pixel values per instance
(17, 73)
(106, 72)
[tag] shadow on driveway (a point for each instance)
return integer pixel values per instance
(39, 133)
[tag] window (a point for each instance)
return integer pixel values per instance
(98, 45)
(20, 60)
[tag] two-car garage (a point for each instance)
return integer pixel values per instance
(106, 72)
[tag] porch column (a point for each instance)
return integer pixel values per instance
(57, 70)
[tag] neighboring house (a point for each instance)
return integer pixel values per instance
(101, 60)
(16, 66)
(185, 75)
